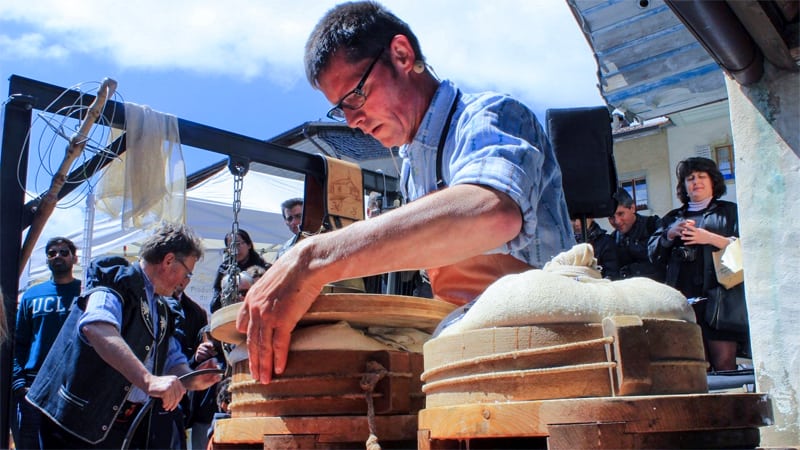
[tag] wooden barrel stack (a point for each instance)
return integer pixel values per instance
(624, 383)
(319, 401)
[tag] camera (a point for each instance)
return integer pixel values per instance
(685, 253)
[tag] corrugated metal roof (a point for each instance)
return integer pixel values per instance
(333, 138)
(649, 64)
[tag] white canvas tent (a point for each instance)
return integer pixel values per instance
(209, 211)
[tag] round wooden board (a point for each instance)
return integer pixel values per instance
(359, 310)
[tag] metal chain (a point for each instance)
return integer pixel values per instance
(230, 291)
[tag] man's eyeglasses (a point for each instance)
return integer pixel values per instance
(189, 273)
(63, 252)
(354, 99)
(297, 217)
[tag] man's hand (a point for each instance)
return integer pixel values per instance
(271, 310)
(205, 351)
(198, 382)
(168, 388)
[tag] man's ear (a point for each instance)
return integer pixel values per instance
(169, 258)
(402, 53)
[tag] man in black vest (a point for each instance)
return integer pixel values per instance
(117, 349)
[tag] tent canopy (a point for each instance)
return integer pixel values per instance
(209, 211)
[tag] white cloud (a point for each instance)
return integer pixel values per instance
(30, 44)
(530, 48)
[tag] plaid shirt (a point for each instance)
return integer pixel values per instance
(495, 141)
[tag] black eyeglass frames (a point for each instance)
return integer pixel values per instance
(189, 273)
(354, 99)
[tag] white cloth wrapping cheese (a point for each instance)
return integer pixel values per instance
(336, 336)
(570, 290)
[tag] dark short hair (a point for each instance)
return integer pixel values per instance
(623, 198)
(60, 240)
(174, 238)
(699, 164)
(289, 204)
(362, 29)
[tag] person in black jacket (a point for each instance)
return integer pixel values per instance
(604, 249)
(117, 350)
(246, 256)
(685, 242)
(631, 233)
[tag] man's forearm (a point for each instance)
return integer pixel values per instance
(439, 229)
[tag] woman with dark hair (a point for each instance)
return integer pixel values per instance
(685, 243)
(246, 256)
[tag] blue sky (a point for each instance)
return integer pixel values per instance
(237, 65)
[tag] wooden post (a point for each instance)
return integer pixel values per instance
(76, 145)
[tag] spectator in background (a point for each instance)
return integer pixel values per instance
(374, 204)
(292, 211)
(42, 311)
(246, 256)
(684, 244)
(631, 233)
(117, 348)
(604, 249)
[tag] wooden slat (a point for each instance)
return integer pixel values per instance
(631, 352)
(325, 382)
(359, 310)
(589, 435)
(328, 428)
(641, 414)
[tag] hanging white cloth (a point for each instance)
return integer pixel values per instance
(147, 184)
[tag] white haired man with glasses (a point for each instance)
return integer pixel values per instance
(483, 182)
(42, 311)
(117, 349)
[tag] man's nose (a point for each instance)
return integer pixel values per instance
(356, 118)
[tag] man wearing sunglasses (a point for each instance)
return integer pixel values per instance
(292, 210)
(117, 349)
(483, 181)
(42, 311)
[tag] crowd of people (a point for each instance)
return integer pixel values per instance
(676, 249)
(98, 327)
(485, 200)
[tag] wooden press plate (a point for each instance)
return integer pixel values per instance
(556, 361)
(359, 310)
